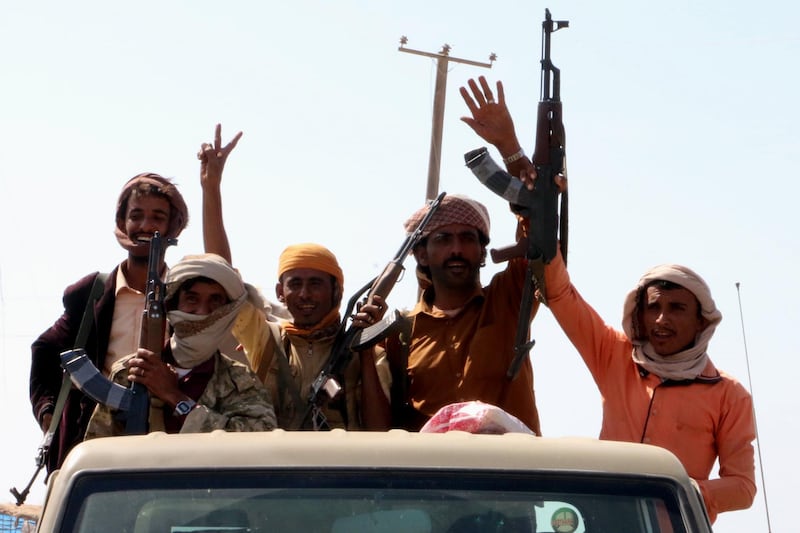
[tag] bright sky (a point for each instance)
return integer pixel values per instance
(682, 146)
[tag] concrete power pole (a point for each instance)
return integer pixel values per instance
(443, 58)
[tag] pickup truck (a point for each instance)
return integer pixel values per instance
(389, 482)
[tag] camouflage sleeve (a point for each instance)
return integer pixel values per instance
(234, 400)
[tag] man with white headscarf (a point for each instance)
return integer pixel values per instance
(193, 387)
(657, 381)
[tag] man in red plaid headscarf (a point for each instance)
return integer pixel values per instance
(462, 334)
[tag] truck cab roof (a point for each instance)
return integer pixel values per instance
(393, 481)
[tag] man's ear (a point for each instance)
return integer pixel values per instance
(337, 293)
(421, 255)
(279, 292)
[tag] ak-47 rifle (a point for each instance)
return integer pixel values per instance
(151, 336)
(546, 229)
(356, 339)
(132, 403)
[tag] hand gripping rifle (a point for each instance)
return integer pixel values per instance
(546, 229)
(356, 339)
(133, 403)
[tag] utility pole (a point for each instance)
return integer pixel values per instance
(443, 58)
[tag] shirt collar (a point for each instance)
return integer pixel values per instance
(425, 303)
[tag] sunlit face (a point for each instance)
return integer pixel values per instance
(308, 294)
(670, 319)
(144, 216)
(454, 255)
(201, 297)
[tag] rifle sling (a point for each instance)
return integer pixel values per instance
(285, 381)
(80, 342)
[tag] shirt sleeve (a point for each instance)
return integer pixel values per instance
(735, 488)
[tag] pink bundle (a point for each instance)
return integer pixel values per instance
(474, 417)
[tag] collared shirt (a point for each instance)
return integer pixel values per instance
(126, 322)
(465, 357)
(305, 358)
(699, 420)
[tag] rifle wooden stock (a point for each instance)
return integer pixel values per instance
(342, 351)
(386, 281)
(507, 253)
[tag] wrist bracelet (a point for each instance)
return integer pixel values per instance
(516, 156)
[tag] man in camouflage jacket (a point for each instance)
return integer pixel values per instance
(192, 386)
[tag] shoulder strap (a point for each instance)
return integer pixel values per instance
(285, 381)
(397, 350)
(83, 333)
(80, 342)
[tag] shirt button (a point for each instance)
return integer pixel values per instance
(458, 374)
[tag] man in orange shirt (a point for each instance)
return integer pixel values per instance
(657, 381)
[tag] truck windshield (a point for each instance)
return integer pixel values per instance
(347, 500)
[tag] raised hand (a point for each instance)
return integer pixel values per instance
(212, 161)
(490, 119)
(213, 156)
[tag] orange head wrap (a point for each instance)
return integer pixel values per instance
(310, 255)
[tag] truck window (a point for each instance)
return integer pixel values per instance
(388, 501)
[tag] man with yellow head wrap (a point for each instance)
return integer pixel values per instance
(193, 387)
(147, 203)
(289, 356)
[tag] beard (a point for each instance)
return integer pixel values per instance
(456, 273)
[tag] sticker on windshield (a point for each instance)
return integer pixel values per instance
(564, 520)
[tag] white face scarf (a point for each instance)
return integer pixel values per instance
(195, 338)
(689, 363)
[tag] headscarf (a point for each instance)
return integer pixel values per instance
(316, 257)
(310, 255)
(454, 209)
(178, 215)
(195, 338)
(689, 363)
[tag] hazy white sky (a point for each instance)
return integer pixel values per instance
(681, 141)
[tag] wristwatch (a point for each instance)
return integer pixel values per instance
(183, 407)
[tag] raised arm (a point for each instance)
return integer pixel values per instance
(492, 121)
(212, 162)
